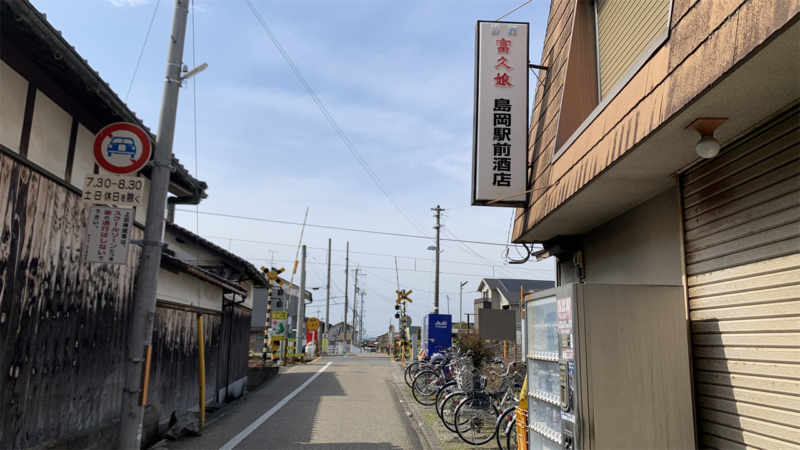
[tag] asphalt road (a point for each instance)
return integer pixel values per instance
(350, 405)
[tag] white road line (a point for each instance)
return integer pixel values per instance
(246, 432)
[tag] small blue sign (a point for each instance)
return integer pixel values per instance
(437, 332)
(572, 368)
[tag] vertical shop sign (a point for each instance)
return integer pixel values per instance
(500, 135)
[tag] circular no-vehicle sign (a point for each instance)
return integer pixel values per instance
(122, 148)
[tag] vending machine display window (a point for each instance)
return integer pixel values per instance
(545, 329)
(544, 383)
(545, 419)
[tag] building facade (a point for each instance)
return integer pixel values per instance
(623, 197)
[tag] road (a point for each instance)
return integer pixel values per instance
(346, 403)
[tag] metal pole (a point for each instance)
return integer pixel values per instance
(144, 306)
(438, 251)
(328, 296)
(460, 303)
(201, 350)
(301, 305)
(355, 310)
(361, 318)
(346, 275)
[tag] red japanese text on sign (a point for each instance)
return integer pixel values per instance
(564, 311)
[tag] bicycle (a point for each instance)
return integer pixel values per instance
(477, 416)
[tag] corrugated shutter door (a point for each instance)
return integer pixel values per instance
(625, 28)
(742, 234)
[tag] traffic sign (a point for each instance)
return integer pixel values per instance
(312, 324)
(122, 148)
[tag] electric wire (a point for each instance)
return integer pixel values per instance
(145, 45)
(333, 122)
(332, 228)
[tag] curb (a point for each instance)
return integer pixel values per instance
(417, 421)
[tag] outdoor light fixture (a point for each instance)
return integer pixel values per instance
(708, 146)
(194, 71)
(431, 247)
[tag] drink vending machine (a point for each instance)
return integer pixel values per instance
(608, 367)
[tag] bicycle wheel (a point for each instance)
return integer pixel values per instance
(448, 388)
(425, 386)
(475, 422)
(448, 408)
(409, 373)
(507, 419)
(511, 437)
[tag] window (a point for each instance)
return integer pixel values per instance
(611, 40)
(625, 29)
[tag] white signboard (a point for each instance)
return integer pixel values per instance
(108, 235)
(113, 190)
(500, 140)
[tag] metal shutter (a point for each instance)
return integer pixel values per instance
(742, 236)
(625, 28)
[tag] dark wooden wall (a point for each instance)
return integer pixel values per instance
(240, 345)
(174, 372)
(63, 324)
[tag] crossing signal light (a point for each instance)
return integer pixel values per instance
(403, 296)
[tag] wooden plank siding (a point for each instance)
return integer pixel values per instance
(707, 39)
(236, 369)
(62, 323)
(742, 241)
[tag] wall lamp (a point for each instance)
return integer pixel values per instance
(708, 146)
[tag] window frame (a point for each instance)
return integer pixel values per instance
(618, 86)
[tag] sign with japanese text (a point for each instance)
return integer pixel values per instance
(278, 325)
(500, 136)
(113, 190)
(564, 312)
(108, 235)
(312, 324)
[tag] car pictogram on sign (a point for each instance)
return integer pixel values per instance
(121, 146)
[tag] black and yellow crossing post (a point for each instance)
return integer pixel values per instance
(402, 298)
(272, 276)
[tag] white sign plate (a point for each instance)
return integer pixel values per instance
(113, 190)
(108, 235)
(500, 139)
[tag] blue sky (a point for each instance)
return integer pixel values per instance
(397, 76)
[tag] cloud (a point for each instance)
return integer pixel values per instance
(123, 3)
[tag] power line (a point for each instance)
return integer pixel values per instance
(333, 123)
(334, 228)
(143, 47)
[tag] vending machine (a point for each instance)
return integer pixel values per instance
(608, 368)
(436, 332)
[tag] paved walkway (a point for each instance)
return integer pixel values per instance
(339, 403)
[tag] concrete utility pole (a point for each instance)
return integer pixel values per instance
(355, 307)
(328, 296)
(301, 305)
(460, 303)
(438, 228)
(361, 321)
(346, 275)
(144, 306)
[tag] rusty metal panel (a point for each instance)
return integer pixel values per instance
(742, 229)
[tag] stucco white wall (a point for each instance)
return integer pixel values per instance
(13, 94)
(50, 129)
(188, 290)
(189, 252)
(83, 162)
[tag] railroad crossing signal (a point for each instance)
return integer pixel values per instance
(403, 296)
(272, 274)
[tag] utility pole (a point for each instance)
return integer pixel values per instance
(346, 274)
(460, 303)
(355, 306)
(361, 322)
(438, 228)
(301, 304)
(272, 258)
(144, 306)
(328, 296)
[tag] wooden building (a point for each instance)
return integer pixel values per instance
(64, 323)
(623, 196)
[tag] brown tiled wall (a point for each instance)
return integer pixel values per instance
(707, 38)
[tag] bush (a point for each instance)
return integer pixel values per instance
(481, 352)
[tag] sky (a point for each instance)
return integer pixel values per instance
(396, 76)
